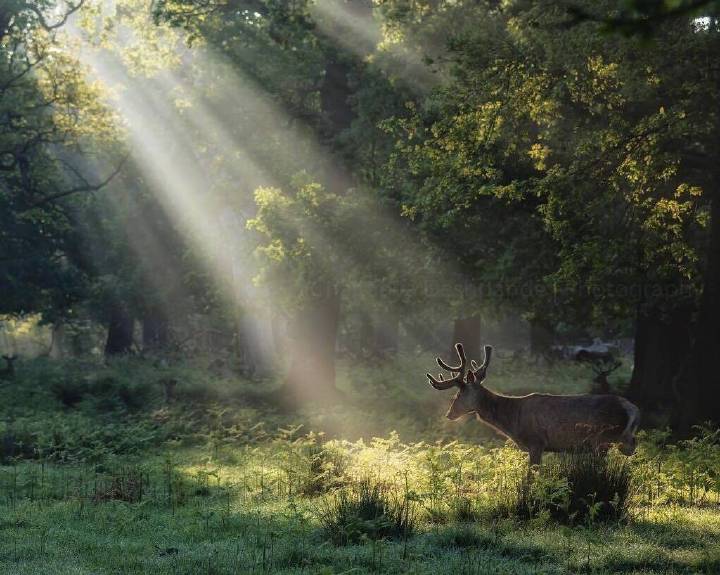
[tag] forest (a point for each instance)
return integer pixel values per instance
(237, 237)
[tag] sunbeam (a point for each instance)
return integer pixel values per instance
(239, 238)
(206, 136)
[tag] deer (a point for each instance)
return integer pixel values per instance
(539, 422)
(8, 372)
(602, 370)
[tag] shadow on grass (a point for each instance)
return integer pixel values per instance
(652, 545)
(469, 537)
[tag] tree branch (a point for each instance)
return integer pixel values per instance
(78, 189)
(72, 8)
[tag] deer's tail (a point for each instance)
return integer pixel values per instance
(628, 435)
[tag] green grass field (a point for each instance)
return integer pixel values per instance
(100, 476)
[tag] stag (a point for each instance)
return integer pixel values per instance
(540, 422)
(602, 370)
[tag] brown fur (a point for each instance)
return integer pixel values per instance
(544, 422)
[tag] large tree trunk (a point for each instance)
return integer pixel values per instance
(542, 338)
(279, 334)
(704, 378)
(249, 343)
(467, 331)
(155, 330)
(661, 347)
(120, 331)
(57, 341)
(386, 337)
(313, 338)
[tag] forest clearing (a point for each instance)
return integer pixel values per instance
(109, 478)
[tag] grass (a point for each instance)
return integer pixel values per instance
(367, 510)
(225, 480)
(576, 488)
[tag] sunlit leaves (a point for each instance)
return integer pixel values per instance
(599, 133)
(298, 228)
(145, 47)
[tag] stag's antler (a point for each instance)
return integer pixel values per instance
(477, 372)
(609, 366)
(459, 371)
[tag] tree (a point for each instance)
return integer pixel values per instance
(286, 51)
(47, 114)
(302, 269)
(600, 141)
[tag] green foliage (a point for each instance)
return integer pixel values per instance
(258, 489)
(566, 171)
(323, 469)
(684, 472)
(577, 488)
(102, 395)
(518, 131)
(69, 392)
(367, 509)
(301, 229)
(47, 110)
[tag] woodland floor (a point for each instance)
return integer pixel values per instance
(99, 476)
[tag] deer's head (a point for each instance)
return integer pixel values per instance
(467, 379)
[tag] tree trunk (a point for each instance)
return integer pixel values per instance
(312, 348)
(541, 338)
(242, 337)
(120, 331)
(467, 331)
(57, 341)
(704, 378)
(386, 336)
(155, 330)
(249, 344)
(279, 335)
(661, 346)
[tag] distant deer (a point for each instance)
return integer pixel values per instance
(540, 422)
(602, 370)
(8, 372)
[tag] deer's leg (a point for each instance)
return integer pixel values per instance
(535, 455)
(627, 439)
(627, 447)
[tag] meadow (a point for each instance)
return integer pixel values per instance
(102, 473)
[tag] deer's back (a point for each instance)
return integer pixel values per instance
(562, 422)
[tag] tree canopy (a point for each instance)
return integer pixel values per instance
(398, 162)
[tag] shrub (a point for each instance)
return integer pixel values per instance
(69, 392)
(324, 470)
(15, 444)
(579, 487)
(684, 472)
(123, 485)
(463, 509)
(105, 394)
(108, 393)
(367, 510)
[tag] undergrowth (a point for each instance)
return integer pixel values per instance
(575, 488)
(368, 509)
(100, 447)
